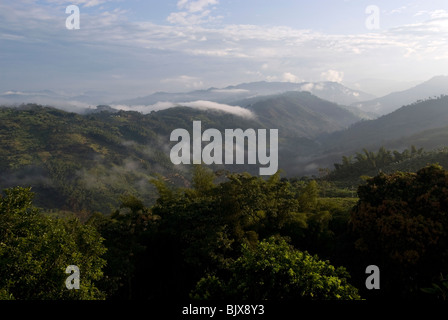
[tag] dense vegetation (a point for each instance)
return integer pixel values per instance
(82, 163)
(401, 222)
(395, 129)
(354, 169)
(35, 251)
(235, 236)
(108, 200)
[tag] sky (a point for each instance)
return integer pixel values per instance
(134, 48)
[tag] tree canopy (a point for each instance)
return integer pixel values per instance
(35, 251)
(401, 223)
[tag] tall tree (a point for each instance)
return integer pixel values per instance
(274, 270)
(35, 251)
(402, 226)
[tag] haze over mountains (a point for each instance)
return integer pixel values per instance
(103, 149)
(331, 91)
(363, 104)
(434, 87)
(232, 95)
(318, 122)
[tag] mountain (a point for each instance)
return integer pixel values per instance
(436, 86)
(381, 86)
(68, 157)
(14, 96)
(331, 91)
(231, 95)
(300, 114)
(85, 162)
(422, 123)
(73, 103)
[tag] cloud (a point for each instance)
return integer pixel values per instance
(435, 14)
(289, 77)
(333, 76)
(307, 87)
(187, 81)
(230, 91)
(209, 105)
(194, 12)
(84, 3)
(199, 105)
(34, 41)
(397, 10)
(195, 6)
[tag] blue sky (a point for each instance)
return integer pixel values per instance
(133, 48)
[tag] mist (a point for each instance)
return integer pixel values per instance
(198, 105)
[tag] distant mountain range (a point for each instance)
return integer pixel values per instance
(74, 103)
(406, 121)
(314, 130)
(361, 104)
(67, 157)
(432, 88)
(331, 91)
(422, 123)
(300, 114)
(231, 95)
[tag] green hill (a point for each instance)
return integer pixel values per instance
(301, 114)
(85, 162)
(349, 172)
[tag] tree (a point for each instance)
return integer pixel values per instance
(205, 228)
(127, 233)
(401, 224)
(35, 251)
(203, 179)
(308, 196)
(274, 270)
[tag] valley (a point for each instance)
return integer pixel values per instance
(86, 160)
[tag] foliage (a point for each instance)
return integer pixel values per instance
(35, 250)
(170, 232)
(126, 232)
(274, 270)
(206, 227)
(439, 289)
(85, 162)
(368, 162)
(400, 222)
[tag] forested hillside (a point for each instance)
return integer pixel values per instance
(390, 130)
(300, 114)
(103, 183)
(84, 162)
(221, 159)
(244, 238)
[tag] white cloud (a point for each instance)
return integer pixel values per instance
(289, 77)
(435, 14)
(200, 105)
(307, 87)
(194, 12)
(397, 10)
(84, 3)
(230, 91)
(204, 105)
(147, 52)
(333, 76)
(195, 6)
(186, 81)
